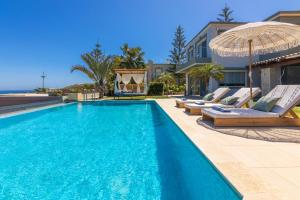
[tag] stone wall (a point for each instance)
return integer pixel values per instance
(270, 77)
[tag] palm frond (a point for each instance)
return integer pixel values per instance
(84, 70)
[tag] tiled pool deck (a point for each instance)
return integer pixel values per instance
(258, 169)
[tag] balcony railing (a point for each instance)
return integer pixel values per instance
(197, 60)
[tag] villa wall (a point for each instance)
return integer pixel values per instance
(155, 70)
(292, 20)
(82, 97)
(270, 77)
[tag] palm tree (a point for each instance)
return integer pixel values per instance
(225, 15)
(97, 67)
(131, 58)
(168, 79)
(205, 72)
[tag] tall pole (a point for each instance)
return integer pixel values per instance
(250, 67)
(43, 77)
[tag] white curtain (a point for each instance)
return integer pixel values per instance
(138, 78)
(117, 83)
(126, 79)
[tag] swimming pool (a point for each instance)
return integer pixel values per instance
(104, 150)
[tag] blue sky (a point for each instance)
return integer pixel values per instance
(50, 35)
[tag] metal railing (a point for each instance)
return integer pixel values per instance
(197, 60)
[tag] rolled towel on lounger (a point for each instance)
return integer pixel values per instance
(200, 102)
(218, 108)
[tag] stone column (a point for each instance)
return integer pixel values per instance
(186, 84)
(270, 77)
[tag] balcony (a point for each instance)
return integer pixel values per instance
(191, 62)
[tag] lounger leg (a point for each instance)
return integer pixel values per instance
(247, 105)
(193, 111)
(187, 110)
(180, 105)
(206, 117)
(293, 114)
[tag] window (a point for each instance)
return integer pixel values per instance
(199, 48)
(220, 31)
(233, 79)
(192, 53)
(290, 75)
(204, 49)
(158, 72)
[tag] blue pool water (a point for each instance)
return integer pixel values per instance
(104, 150)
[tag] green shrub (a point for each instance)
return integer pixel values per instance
(175, 89)
(156, 89)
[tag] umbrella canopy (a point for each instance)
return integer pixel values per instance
(255, 39)
(266, 37)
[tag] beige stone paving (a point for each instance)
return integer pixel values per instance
(276, 134)
(258, 169)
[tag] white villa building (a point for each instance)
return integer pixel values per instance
(235, 68)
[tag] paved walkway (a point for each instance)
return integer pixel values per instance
(258, 169)
(275, 134)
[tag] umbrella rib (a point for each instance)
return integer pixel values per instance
(243, 45)
(261, 41)
(292, 36)
(227, 37)
(270, 38)
(229, 43)
(232, 44)
(224, 44)
(286, 34)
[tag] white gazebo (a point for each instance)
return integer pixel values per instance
(123, 85)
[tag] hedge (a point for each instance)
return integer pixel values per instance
(156, 89)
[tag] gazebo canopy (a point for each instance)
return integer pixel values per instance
(125, 75)
(130, 71)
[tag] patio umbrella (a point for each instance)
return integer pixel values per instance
(256, 39)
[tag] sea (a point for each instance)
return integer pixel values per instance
(15, 91)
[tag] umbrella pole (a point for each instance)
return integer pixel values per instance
(250, 67)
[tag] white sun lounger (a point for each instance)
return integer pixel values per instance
(281, 115)
(218, 94)
(243, 95)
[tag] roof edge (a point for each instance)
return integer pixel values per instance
(213, 23)
(283, 12)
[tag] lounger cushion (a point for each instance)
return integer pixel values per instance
(200, 102)
(229, 100)
(208, 97)
(239, 113)
(265, 104)
(217, 94)
(185, 100)
(206, 105)
(218, 108)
